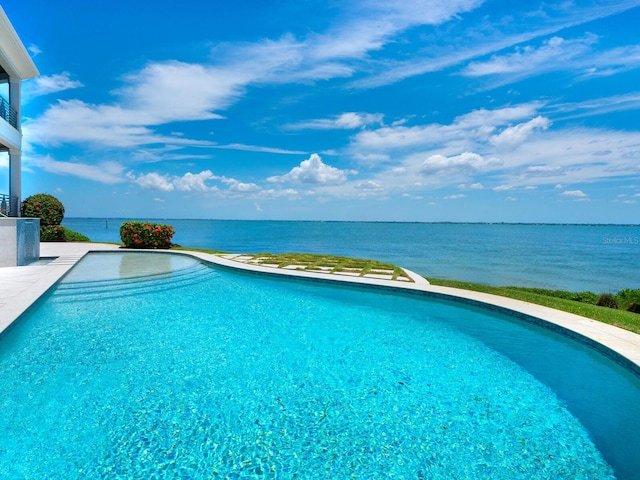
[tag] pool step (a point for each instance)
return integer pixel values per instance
(121, 287)
(66, 260)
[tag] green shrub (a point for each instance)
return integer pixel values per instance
(71, 236)
(634, 307)
(52, 233)
(586, 297)
(146, 235)
(45, 207)
(627, 297)
(607, 300)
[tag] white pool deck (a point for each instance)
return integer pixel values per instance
(20, 287)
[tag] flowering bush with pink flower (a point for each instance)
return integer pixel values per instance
(146, 235)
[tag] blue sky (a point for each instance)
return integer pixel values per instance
(441, 110)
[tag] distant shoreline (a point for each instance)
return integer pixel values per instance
(365, 221)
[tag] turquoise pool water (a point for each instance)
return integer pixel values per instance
(196, 372)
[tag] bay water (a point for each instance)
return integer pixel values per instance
(597, 258)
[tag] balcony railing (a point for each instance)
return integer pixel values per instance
(8, 113)
(6, 202)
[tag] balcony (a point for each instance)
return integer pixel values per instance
(8, 113)
(6, 202)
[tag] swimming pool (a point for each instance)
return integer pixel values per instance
(170, 368)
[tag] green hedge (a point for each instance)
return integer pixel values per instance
(146, 235)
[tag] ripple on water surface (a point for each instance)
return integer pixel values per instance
(243, 377)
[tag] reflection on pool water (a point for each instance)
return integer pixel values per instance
(197, 372)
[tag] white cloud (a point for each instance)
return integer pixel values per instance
(511, 137)
(611, 62)
(34, 49)
(369, 185)
(194, 181)
(484, 38)
(289, 193)
(313, 170)
(172, 91)
(46, 84)
(454, 197)
(256, 148)
(478, 125)
(543, 170)
(237, 186)
(347, 121)
(574, 193)
(473, 186)
(104, 172)
(153, 181)
(555, 53)
(466, 163)
(597, 106)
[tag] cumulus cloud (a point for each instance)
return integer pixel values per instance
(313, 170)
(574, 194)
(194, 181)
(466, 163)
(511, 137)
(238, 186)
(188, 182)
(369, 185)
(473, 186)
(454, 197)
(153, 181)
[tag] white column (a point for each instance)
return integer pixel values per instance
(15, 182)
(14, 98)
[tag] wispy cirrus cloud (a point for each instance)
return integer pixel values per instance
(490, 37)
(554, 54)
(596, 106)
(47, 84)
(173, 91)
(107, 172)
(346, 121)
(256, 148)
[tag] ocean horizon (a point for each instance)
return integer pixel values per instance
(576, 257)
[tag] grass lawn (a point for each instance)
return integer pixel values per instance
(619, 318)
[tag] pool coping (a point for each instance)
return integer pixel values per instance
(21, 287)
